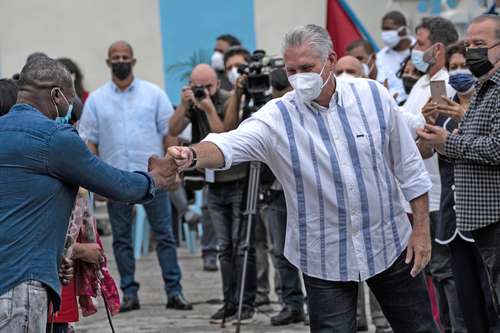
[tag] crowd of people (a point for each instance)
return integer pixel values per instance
(370, 180)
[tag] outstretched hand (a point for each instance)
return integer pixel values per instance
(181, 156)
(164, 172)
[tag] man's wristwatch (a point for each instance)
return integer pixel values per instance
(195, 158)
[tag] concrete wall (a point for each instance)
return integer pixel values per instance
(83, 31)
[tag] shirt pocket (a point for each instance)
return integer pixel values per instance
(144, 116)
(6, 308)
(369, 148)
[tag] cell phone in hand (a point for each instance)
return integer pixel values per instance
(438, 90)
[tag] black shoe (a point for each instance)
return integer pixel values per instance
(217, 317)
(247, 316)
(129, 303)
(210, 263)
(287, 316)
(178, 302)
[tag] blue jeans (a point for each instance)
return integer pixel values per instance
(159, 217)
(403, 299)
(291, 287)
(224, 205)
(24, 308)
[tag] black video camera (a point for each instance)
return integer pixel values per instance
(258, 71)
(199, 92)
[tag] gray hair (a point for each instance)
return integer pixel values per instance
(44, 72)
(492, 18)
(313, 35)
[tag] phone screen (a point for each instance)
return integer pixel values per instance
(438, 89)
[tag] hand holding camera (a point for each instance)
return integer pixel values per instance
(201, 98)
(187, 96)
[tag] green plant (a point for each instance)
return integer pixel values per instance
(200, 56)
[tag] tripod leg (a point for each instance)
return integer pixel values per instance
(251, 211)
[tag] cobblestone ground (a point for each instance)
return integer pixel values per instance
(201, 288)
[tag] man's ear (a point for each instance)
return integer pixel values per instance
(108, 63)
(134, 61)
(333, 60)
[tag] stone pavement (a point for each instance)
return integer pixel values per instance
(201, 288)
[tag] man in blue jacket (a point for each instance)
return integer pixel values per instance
(42, 163)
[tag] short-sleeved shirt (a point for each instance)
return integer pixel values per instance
(127, 126)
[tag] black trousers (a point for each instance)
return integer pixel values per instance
(472, 286)
(403, 299)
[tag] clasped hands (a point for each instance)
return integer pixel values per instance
(166, 171)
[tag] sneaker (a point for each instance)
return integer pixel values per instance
(229, 310)
(287, 316)
(247, 316)
(210, 263)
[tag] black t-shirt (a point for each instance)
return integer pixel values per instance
(199, 119)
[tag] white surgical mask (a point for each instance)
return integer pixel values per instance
(308, 86)
(217, 61)
(391, 38)
(417, 58)
(233, 75)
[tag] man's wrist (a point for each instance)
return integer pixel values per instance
(194, 158)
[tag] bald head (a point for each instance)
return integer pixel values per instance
(120, 46)
(205, 75)
(349, 65)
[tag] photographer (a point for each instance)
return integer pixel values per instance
(234, 58)
(202, 105)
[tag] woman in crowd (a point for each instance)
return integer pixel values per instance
(77, 75)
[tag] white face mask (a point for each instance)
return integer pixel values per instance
(391, 38)
(308, 86)
(217, 61)
(233, 75)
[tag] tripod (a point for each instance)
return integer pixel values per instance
(250, 212)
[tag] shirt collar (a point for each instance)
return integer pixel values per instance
(129, 88)
(496, 77)
(442, 74)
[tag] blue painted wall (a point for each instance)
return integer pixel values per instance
(189, 26)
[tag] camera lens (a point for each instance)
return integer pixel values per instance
(199, 92)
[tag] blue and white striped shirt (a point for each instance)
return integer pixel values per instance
(341, 169)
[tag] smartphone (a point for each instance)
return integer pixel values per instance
(438, 89)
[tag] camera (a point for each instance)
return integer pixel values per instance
(199, 92)
(258, 72)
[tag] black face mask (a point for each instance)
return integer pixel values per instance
(477, 60)
(408, 83)
(121, 69)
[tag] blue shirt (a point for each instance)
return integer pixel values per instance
(341, 168)
(42, 163)
(127, 126)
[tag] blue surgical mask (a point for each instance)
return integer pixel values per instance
(67, 117)
(417, 58)
(462, 81)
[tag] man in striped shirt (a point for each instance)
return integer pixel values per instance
(342, 152)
